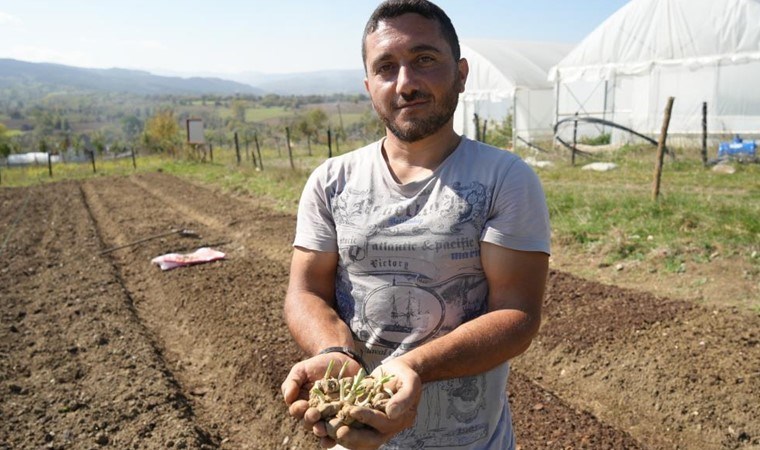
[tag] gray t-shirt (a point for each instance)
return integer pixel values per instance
(409, 268)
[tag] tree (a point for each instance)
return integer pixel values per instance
(238, 111)
(162, 132)
(99, 141)
(309, 124)
(317, 118)
(131, 126)
(5, 142)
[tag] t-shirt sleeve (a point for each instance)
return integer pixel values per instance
(315, 227)
(519, 218)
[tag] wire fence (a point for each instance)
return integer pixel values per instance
(277, 155)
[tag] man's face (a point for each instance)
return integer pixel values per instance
(412, 77)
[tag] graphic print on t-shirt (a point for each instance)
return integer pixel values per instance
(410, 266)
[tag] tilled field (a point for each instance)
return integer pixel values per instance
(100, 348)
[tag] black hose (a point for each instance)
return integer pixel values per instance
(602, 122)
(530, 144)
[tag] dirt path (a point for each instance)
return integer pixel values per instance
(107, 350)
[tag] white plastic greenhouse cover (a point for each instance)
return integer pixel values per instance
(509, 77)
(697, 51)
(686, 33)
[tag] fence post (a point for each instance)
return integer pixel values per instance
(329, 143)
(704, 133)
(258, 150)
(134, 161)
(290, 150)
(661, 149)
(237, 148)
(253, 152)
(50, 166)
(575, 139)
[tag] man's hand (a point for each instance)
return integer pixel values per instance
(400, 412)
(295, 388)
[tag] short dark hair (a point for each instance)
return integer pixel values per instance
(390, 9)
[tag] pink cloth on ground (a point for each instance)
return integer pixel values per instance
(172, 260)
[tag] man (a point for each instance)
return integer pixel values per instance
(423, 255)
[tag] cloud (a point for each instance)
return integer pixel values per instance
(8, 19)
(124, 44)
(46, 54)
(144, 44)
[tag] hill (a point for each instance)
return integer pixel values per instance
(324, 82)
(47, 77)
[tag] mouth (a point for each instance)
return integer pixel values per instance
(411, 105)
(413, 101)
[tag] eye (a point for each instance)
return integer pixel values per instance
(425, 59)
(384, 68)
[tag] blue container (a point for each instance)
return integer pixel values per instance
(737, 147)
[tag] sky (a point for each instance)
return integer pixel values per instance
(190, 37)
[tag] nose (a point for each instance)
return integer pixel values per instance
(406, 81)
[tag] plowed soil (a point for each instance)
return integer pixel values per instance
(100, 348)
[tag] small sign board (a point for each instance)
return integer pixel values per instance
(195, 131)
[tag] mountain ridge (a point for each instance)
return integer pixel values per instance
(56, 76)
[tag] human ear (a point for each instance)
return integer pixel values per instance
(463, 69)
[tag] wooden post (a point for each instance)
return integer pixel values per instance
(258, 150)
(704, 134)
(290, 150)
(247, 151)
(661, 149)
(329, 143)
(253, 153)
(340, 118)
(50, 166)
(575, 139)
(485, 128)
(211, 151)
(92, 158)
(337, 139)
(476, 121)
(134, 161)
(237, 148)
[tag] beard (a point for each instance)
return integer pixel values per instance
(415, 129)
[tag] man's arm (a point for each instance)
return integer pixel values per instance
(516, 283)
(310, 302)
(314, 323)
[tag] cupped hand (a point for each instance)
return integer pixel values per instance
(301, 378)
(400, 411)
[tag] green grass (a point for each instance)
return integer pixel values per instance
(263, 114)
(36, 174)
(699, 212)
